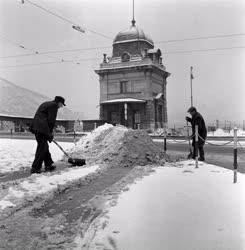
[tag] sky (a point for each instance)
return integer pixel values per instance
(218, 84)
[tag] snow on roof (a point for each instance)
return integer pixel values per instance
(153, 51)
(158, 96)
(123, 100)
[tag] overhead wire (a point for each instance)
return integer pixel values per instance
(34, 52)
(17, 44)
(203, 50)
(65, 19)
(170, 52)
(201, 38)
(107, 47)
(32, 64)
(54, 62)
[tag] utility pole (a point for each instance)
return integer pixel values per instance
(217, 124)
(191, 77)
(133, 9)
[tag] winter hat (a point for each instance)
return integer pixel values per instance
(192, 109)
(60, 99)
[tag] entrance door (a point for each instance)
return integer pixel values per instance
(115, 118)
(136, 119)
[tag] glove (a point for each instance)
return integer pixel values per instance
(188, 119)
(50, 138)
(31, 130)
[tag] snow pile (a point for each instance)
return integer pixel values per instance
(240, 132)
(117, 146)
(221, 132)
(218, 132)
(159, 131)
(37, 185)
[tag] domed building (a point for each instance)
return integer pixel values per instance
(133, 82)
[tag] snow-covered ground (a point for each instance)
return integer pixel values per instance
(12, 195)
(177, 207)
(19, 154)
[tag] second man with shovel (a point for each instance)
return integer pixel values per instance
(197, 119)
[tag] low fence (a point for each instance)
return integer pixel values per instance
(235, 140)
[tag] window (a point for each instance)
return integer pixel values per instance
(125, 57)
(137, 117)
(123, 87)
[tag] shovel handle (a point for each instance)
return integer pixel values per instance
(188, 137)
(61, 148)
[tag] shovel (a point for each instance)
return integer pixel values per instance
(73, 161)
(190, 154)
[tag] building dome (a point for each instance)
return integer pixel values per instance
(132, 34)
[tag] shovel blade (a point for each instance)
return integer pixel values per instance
(76, 161)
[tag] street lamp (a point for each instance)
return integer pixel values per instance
(78, 28)
(191, 78)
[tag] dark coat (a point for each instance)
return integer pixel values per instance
(197, 119)
(44, 119)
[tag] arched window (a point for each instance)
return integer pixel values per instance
(125, 57)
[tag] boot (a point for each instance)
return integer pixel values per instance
(201, 159)
(36, 171)
(50, 168)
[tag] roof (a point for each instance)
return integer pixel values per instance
(123, 100)
(133, 33)
(16, 101)
(115, 65)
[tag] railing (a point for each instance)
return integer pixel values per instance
(184, 139)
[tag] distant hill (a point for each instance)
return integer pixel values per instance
(19, 101)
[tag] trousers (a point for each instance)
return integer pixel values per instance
(42, 153)
(200, 149)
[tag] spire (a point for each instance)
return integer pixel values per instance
(133, 21)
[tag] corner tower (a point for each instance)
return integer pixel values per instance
(133, 82)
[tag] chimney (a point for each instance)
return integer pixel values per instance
(104, 60)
